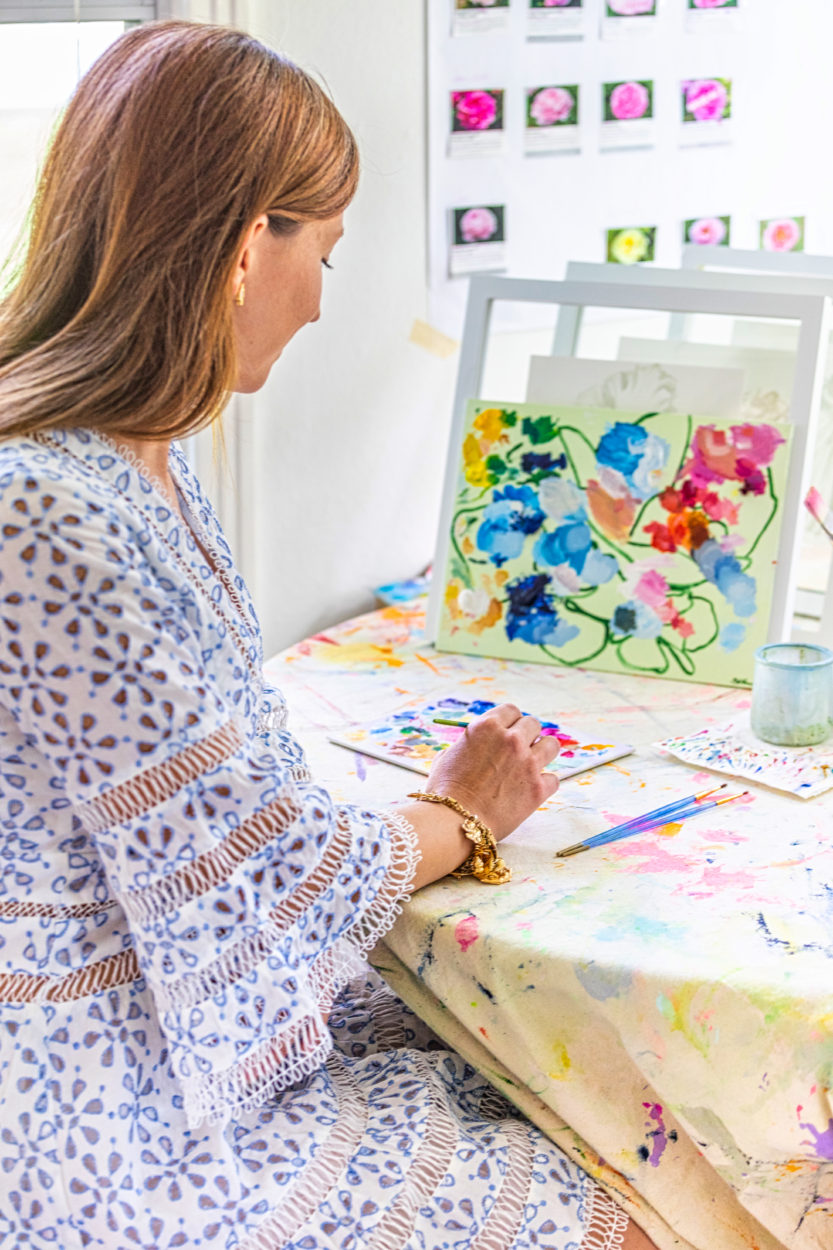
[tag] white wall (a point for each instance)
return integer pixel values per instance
(349, 433)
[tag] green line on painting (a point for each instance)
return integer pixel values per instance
(682, 659)
(702, 646)
(771, 517)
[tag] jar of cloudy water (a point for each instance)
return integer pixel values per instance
(792, 694)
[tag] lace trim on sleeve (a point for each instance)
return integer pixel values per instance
(397, 886)
(211, 868)
(160, 782)
(607, 1223)
(343, 956)
(299, 1050)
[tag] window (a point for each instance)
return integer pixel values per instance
(45, 47)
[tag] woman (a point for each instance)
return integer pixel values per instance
(192, 1051)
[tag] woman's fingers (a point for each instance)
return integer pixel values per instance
(505, 714)
(545, 750)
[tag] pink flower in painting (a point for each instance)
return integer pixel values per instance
(629, 101)
(781, 235)
(652, 588)
(476, 110)
(550, 105)
(707, 231)
(631, 8)
(741, 457)
(706, 99)
(477, 225)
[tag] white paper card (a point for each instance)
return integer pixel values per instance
(634, 387)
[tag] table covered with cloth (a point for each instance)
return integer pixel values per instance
(662, 1007)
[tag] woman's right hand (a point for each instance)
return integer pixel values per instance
(495, 769)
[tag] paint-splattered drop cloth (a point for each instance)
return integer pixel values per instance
(187, 1057)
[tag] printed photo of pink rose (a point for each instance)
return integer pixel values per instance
(631, 8)
(481, 224)
(628, 101)
(482, 4)
(555, 4)
(707, 99)
(552, 106)
(782, 234)
(712, 4)
(476, 110)
(707, 231)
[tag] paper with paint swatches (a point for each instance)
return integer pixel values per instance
(732, 748)
(410, 737)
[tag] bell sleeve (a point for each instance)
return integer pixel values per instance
(250, 894)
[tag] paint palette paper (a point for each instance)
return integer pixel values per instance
(585, 537)
(409, 737)
(732, 748)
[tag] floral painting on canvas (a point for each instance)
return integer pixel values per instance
(640, 543)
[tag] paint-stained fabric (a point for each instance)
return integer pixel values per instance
(191, 1052)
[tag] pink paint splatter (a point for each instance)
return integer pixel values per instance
(652, 857)
(466, 932)
(714, 881)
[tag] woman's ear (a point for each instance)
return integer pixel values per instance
(247, 251)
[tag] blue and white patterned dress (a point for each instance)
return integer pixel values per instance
(192, 1051)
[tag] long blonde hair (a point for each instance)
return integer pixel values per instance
(174, 141)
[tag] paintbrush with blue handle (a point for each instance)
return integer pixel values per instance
(681, 809)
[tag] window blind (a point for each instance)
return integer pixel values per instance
(83, 10)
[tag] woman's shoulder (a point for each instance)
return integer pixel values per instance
(59, 467)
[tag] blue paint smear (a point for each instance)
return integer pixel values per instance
(601, 982)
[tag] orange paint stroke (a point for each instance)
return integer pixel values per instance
(423, 660)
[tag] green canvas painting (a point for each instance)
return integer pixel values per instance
(634, 543)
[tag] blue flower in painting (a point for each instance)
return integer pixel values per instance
(621, 447)
(636, 620)
(532, 616)
(723, 569)
(731, 636)
(506, 522)
(542, 462)
(635, 454)
(571, 546)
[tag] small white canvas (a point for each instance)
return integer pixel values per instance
(769, 374)
(635, 386)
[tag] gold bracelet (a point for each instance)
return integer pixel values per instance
(484, 861)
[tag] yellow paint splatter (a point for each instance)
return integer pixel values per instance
(564, 1063)
(669, 830)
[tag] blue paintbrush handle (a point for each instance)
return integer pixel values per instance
(639, 822)
(679, 811)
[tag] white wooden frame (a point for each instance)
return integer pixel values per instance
(743, 260)
(764, 281)
(811, 312)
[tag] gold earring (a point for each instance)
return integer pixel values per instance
(240, 297)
